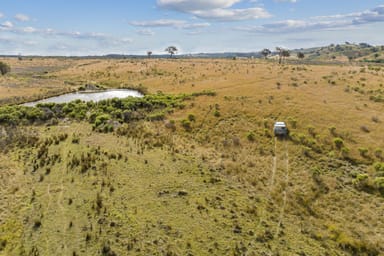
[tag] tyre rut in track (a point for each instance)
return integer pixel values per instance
(278, 177)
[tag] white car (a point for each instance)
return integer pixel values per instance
(280, 129)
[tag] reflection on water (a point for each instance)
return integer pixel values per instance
(88, 96)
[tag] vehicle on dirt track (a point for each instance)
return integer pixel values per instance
(280, 129)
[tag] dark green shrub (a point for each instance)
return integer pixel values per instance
(101, 119)
(362, 181)
(311, 131)
(4, 68)
(345, 152)
(379, 168)
(186, 124)
(338, 142)
(251, 136)
(379, 183)
(379, 153)
(363, 152)
(191, 117)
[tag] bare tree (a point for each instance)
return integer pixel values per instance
(265, 52)
(171, 50)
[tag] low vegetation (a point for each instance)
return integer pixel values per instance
(193, 167)
(4, 68)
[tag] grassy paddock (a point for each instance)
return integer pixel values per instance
(192, 168)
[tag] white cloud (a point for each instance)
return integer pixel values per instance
(7, 25)
(291, 1)
(145, 32)
(29, 30)
(181, 24)
(21, 17)
(1, 15)
(220, 10)
(48, 31)
(195, 5)
(50, 35)
(195, 25)
(126, 40)
(321, 22)
(194, 32)
(374, 15)
(233, 14)
(158, 23)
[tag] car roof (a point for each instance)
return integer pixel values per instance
(280, 124)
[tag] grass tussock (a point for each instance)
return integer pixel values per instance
(192, 168)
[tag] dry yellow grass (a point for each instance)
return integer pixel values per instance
(210, 190)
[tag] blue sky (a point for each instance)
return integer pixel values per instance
(97, 27)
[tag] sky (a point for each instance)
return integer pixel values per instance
(99, 27)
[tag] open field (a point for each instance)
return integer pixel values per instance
(204, 175)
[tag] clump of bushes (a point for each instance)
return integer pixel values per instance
(191, 117)
(365, 182)
(186, 124)
(379, 183)
(363, 152)
(251, 136)
(379, 168)
(4, 68)
(379, 153)
(339, 142)
(104, 115)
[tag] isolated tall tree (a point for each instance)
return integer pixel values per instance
(279, 52)
(171, 50)
(265, 52)
(149, 53)
(283, 53)
(286, 53)
(4, 68)
(300, 55)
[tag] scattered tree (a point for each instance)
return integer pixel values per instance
(149, 53)
(300, 55)
(279, 50)
(265, 52)
(286, 53)
(283, 53)
(4, 68)
(171, 50)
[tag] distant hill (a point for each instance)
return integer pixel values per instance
(345, 52)
(334, 52)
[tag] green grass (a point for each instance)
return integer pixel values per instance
(195, 169)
